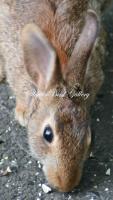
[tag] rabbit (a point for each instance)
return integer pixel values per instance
(49, 49)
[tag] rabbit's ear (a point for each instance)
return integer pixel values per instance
(78, 62)
(40, 57)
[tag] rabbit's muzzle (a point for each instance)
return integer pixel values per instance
(63, 178)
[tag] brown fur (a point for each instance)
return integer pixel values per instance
(38, 57)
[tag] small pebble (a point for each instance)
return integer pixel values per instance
(39, 166)
(11, 122)
(14, 162)
(8, 170)
(98, 120)
(7, 185)
(11, 97)
(46, 189)
(108, 172)
(92, 198)
(91, 155)
(6, 158)
(69, 198)
(39, 194)
(1, 162)
(106, 189)
(9, 129)
(30, 162)
(37, 173)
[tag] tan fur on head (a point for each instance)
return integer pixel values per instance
(50, 46)
(61, 163)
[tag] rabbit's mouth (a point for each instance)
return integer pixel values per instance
(63, 181)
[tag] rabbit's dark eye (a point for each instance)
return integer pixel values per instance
(48, 134)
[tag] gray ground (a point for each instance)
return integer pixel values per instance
(25, 179)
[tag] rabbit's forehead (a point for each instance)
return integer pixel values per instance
(61, 112)
(71, 110)
(62, 108)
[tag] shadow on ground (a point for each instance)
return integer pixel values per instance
(25, 179)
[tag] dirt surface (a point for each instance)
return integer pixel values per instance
(21, 177)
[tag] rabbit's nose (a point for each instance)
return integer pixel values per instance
(64, 185)
(64, 182)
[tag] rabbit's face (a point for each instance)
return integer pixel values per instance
(59, 135)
